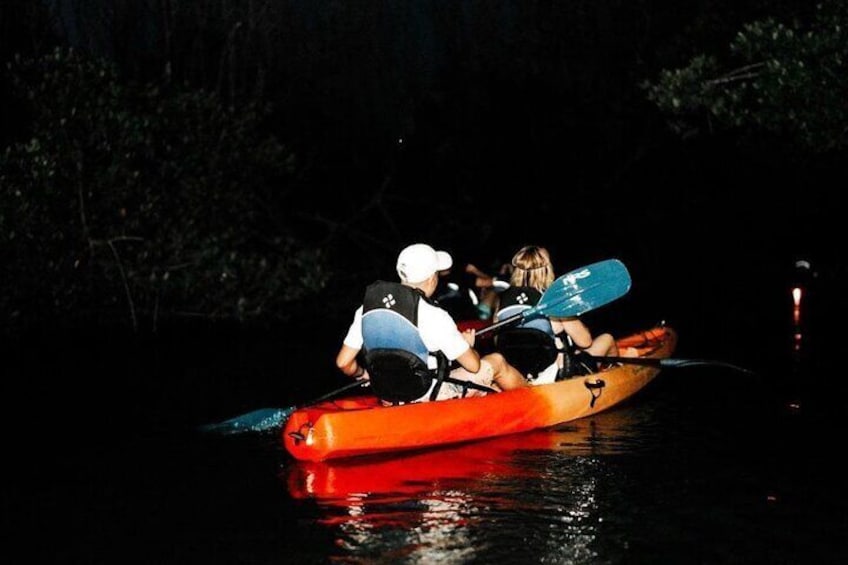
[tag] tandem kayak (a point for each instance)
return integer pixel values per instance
(361, 425)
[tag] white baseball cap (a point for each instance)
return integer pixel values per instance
(419, 261)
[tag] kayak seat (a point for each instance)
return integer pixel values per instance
(399, 376)
(400, 366)
(528, 346)
(531, 351)
(528, 349)
(397, 358)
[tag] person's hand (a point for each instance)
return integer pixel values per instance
(481, 280)
(470, 336)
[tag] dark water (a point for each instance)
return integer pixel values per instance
(703, 466)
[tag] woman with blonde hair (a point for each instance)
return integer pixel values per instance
(532, 274)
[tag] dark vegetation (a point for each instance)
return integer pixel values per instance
(256, 163)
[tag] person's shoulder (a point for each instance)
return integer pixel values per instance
(429, 310)
(429, 306)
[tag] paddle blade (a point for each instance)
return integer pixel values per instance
(257, 421)
(584, 289)
(269, 419)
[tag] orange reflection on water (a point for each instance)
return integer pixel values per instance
(339, 481)
(428, 506)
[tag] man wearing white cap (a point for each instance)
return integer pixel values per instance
(398, 319)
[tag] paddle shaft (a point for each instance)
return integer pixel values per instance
(351, 385)
(668, 362)
(501, 323)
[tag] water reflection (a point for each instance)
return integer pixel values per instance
(460, 503)
(336, 482)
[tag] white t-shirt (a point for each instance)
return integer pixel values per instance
(437, 328)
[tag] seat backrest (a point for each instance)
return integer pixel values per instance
(387, 329)
(529, 350)
(529, 345)
(395, 356)
(397, 375)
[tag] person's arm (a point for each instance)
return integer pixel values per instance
(578, 332)
(347, 363)
(346, 358)
(481, 279)
(470, 359)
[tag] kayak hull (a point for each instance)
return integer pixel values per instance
(360, 425)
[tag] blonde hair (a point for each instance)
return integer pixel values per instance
(531, 266)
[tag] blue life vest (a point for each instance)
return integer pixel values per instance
(395, 355)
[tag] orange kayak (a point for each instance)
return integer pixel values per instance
(360, 425)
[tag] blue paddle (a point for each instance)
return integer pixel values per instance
(269, 419)
(575, 293)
